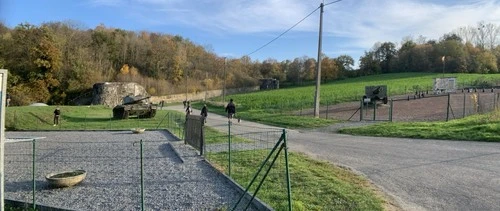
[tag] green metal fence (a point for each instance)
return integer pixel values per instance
(258, 161)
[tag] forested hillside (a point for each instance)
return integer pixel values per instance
(57, 62)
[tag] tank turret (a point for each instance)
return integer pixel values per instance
(134, 106)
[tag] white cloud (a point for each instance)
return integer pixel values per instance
(358, 23)
(361, 19)
(367, 22)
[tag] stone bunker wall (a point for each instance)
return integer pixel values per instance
(112, 93)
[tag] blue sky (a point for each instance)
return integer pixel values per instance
(234, 28)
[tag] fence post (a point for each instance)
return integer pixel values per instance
(464, 107)
(142, 177)
(494, 102)
(448, 108)
(289, 187)
(327, 105)
(479, 107)
(229, 145)
(361, 111)
(374, 110)
(33, 178)
(390, 110)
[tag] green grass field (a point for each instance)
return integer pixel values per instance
(484, 127)
(85, 118)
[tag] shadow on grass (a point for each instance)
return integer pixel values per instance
(39, 118)
(98, 119)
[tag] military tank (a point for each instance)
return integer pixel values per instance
(134, 106)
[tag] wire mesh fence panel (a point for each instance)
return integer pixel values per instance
(413, 108)
(19, 159)
(375, 111)
(245, 156)
(105, 172)
(173, 176)
(471, 103)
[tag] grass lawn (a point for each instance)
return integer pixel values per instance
(315, 185)
(213, 136)
(86, 118)
(484, 127)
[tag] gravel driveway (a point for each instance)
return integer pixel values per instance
(112, 162)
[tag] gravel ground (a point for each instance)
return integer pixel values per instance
(112, 162)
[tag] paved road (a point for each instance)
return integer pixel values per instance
(419, 174)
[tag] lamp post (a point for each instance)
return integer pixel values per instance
(444, 63)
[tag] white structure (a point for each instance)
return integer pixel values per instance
(3, 94)
(444, 85)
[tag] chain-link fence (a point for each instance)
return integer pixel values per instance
(124, 171)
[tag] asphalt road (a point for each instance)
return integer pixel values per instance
(418, 174)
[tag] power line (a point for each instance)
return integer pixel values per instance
(263, 46)
(283, 33)
(332, 2)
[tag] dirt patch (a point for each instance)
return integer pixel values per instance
(413, 108)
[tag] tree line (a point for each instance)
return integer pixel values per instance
(472, 49)
(57, 62)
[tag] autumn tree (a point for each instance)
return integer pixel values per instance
(35, 62)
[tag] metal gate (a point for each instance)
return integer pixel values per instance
(194, 133)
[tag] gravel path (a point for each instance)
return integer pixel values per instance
(112, 162)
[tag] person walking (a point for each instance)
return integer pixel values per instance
(57, 113)
(204, 113)
(189, 110)
(230, 109)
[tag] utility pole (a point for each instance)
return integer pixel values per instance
(206, 86)
(185, 73)
(318, 66)
(224, 87)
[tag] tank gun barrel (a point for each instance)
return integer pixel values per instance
(136, 101)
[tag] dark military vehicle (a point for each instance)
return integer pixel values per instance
(134, 106)
(374, 93)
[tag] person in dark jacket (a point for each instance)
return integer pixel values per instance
(189, 110)
(204, 112)
(230, 109)
(57, 113)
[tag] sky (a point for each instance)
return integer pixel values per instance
(235, 28)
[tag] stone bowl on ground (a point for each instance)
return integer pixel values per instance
(138, 130)
(66, 179)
